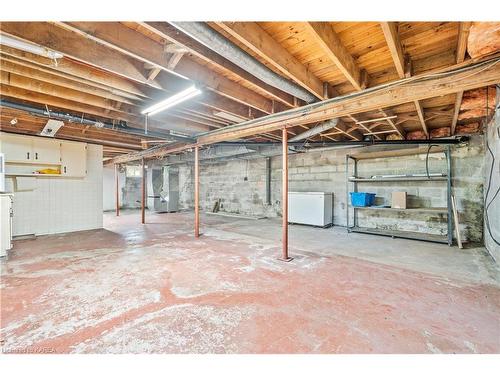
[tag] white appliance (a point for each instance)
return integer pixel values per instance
(5, 223)
(2, 172)
(311, 208)
(163, 188)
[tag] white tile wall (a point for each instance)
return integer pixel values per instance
(60, 205)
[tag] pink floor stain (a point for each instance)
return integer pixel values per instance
(156, 289)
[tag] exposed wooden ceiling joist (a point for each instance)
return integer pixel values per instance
(172, 34)
(331, 44)
(255, 38)
(118, 37)
(463, 34)
(477, 75)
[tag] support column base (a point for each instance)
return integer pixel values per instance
(289, 259)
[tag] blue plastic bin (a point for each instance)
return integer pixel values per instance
(362, 199)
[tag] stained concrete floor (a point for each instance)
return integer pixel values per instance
(154, 288)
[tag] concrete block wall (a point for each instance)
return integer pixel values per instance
(240, 184)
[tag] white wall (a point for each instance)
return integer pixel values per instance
(60, 204)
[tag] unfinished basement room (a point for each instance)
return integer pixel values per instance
(248, 187)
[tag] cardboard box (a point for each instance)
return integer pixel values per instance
(398, 199)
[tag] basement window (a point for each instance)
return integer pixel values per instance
(133, 171)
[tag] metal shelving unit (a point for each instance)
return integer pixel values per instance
(355, 179)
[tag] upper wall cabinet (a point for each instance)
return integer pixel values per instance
(74, 159)
(16, 149)
(27, 155)
(46, 151)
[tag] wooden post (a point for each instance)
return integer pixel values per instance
(196, 192)
(143, 200)
(117, 199)
(284, 198)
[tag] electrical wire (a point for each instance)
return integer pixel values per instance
(493, 161)
(427, 161)
(310, 107)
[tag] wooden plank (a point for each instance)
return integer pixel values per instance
(252, 36)
(463, 34)
(78, 48)
(172, 34)
(420, 112)
(412, 89)
(123, 39)
(332, 46)
(74, 70)
(390, 30)
(40, 75)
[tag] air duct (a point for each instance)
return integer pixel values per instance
(204, 34)
(327, 125)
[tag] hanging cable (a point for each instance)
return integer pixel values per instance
(493, 161)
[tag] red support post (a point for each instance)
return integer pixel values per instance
(284, 198)
(143, 198)
(196, 192)
(117, 199)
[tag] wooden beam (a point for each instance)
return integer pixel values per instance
(118, 37)
(463, 34)
(412, 89)
(478, 74)
(28, 72)
(81, 108)
(174, 35)
(390, 30)
(76, 71)
(388, 118)
(420, 112)
(174, 60)
(332, 46)
(79, 48)
(252, 36)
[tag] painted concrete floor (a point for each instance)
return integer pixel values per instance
(131, 288)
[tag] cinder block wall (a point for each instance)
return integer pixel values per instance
(325, 171)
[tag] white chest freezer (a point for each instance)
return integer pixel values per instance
(311, 208)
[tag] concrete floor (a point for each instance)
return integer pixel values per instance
(156, 289)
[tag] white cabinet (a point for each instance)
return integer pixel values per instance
(6, 223)
(311, 208)
(46, 151)
(73, 159)
(17, 149)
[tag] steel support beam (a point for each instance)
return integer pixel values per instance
(284, 199)
(143, 193)
(117, 199)
(196, 192)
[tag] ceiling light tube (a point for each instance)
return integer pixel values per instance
(172, 100)
(36, 49)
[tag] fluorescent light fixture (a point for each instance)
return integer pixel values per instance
(228, 116)
(36, 49)
(51, 128)
(171, 101)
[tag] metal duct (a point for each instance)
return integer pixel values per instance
(67, 117)
(316, 130)
(219, 44)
